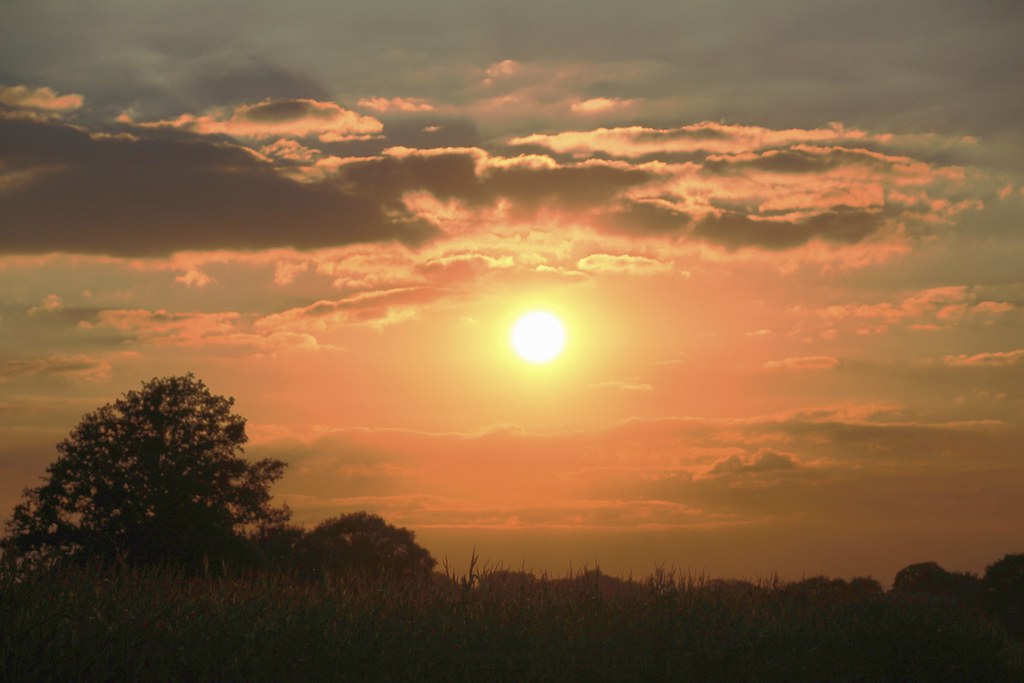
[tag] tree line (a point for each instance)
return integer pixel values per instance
(157, 477)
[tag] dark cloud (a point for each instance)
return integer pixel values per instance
(426, 133)
(645, 218)
(918, 64)
(799, 160)
(446, 176)
(365, 307)
(152, 192)
(151, 189)
(218, 84)
(698, 133)
(62, 365)
(938, 445)
(763, 461)
(414, 133)
(781, 161)
(165, 192)
(841, 225)
(282, 110)
(454, 175)
(572, 187)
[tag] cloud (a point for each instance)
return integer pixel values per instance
(981, 360)
(327, 121)
(194, 278)
(21, 96)
(993, 307)
(708, 137)
(228, 330)
(525, 185)
(746, 186)
(761, 462)
(803, 363)
(934, 308)
(284, 182)
(377, 309)
(600, 105)
(623, 264)
(624, 385)
(50, 304)
(291, 150)
(396, 104)
(220, 79)
(72, 366)
(844, 225)
(458, 267)
(154, 195)
(655, 217)
(577, 186)
(501, 70)
(164, 326)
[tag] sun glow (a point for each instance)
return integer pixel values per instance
(538, 337)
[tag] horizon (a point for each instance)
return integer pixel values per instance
(782, 245)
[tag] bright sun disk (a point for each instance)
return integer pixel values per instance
(538, 337)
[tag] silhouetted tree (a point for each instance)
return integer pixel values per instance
(864, 586)
(1003, 586)
(276, 546)
(1005, 575)
(362, 543)
(155, 476)
(928, 578)
(822, 589)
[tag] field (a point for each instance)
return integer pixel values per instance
(93, 624)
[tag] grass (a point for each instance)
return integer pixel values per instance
(85, 624)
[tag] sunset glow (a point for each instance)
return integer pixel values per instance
(731, 287)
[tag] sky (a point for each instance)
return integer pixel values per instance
(784, 239)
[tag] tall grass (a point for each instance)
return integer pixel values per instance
(91, 623)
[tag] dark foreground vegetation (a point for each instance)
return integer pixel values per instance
(88, 623)
(151, 552)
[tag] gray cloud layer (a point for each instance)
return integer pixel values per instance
(924, 64)
(168, 192)
(151, 189)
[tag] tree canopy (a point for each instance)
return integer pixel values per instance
(363, 543)
(156, 476)
(1004, 591)
(928, 578)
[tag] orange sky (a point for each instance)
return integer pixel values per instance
(795, 323)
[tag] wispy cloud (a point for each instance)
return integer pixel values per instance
(709, 137)
(624, 264)
(600, 105)
(43, 98)
(73, 366)
(300, 118)
(803, 363)
(990, 359)
(396, 104)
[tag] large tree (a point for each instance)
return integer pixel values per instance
(156, 476)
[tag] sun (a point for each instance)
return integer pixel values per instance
(538, 337)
